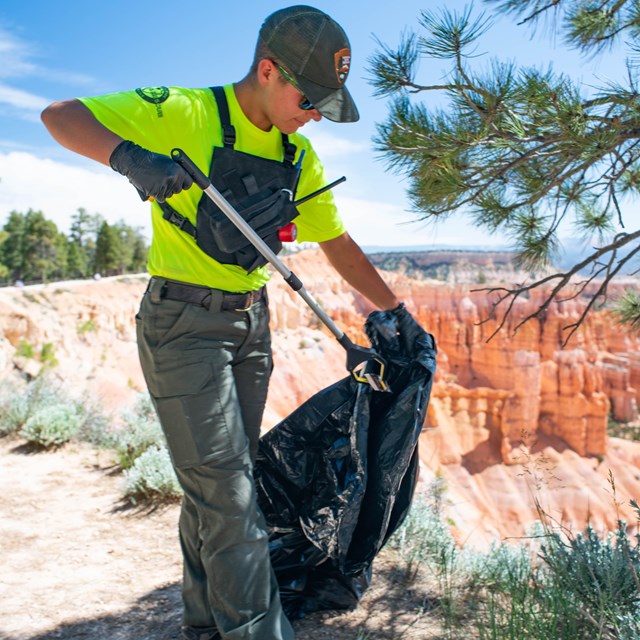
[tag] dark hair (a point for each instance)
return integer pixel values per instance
(261, 52)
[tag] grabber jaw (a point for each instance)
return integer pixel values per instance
(365, 365)
(371, 372)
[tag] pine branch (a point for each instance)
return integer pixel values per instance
(628, 310)
(521, 150)
(510, 295)
(532, 17)
(610, 274)
(521, 7)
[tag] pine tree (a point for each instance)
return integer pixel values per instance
(109, 251)
(32, 249)
(12, 250)
(44, 248)
(4, 271)
(522, 150)
(83, 233)
(140, 254)
(77, 261)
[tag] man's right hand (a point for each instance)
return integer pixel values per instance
(152, 174)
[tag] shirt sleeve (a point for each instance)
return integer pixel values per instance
(156, 118)
(124, 113)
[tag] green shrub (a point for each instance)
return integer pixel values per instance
(88, 326)
(48, 355)
(94, 426)
(553, 585)
(428, 548)
(12, 408)
(423, 539)
(515, 605)
(600, 576)
(52, 426)
(152, 477)
(585, 587)
(626, 430)
(140, 431)
(24, 349)
(18, 402)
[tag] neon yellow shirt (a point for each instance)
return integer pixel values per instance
(160, 119)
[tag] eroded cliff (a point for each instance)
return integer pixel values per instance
(515, 423)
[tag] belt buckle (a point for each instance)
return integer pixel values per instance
(249, 304)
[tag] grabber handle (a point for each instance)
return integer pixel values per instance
(179, 156)
(364, 364)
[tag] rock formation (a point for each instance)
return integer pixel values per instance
(516, 423)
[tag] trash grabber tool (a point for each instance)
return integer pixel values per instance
(364, 364)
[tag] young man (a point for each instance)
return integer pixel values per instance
(203, 324)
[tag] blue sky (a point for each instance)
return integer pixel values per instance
(63, 49)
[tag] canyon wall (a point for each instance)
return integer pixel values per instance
(515, 424)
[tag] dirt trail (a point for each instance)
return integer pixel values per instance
(78, 562)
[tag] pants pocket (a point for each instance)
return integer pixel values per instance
(186, 356)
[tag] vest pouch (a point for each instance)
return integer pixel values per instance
(258, 189)
(264, 217)
(219, 238)
(250, 258)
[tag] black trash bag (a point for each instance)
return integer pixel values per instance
(336, 478)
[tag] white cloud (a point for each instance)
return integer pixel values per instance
(65, 77)
(15, 56)
(22, 99)
(327, 145)
(59, 189)
(376, 223)
(16, 62)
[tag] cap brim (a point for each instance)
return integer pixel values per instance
(337, 105)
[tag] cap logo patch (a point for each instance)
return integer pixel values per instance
(343, 62)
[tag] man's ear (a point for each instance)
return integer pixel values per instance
(267, 72)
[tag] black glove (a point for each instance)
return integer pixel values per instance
(402, 315)
(152, 174)
(399, 311)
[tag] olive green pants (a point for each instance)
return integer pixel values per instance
(207, 371)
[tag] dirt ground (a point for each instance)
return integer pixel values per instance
(78, 562)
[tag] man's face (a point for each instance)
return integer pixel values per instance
(286, 104)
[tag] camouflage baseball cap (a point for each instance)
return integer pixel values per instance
(316, 50)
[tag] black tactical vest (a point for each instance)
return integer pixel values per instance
(262, 191)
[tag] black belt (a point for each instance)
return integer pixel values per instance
(202, 296)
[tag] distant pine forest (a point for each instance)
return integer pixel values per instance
(33, 250)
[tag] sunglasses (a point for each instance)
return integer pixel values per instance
(305, 104)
